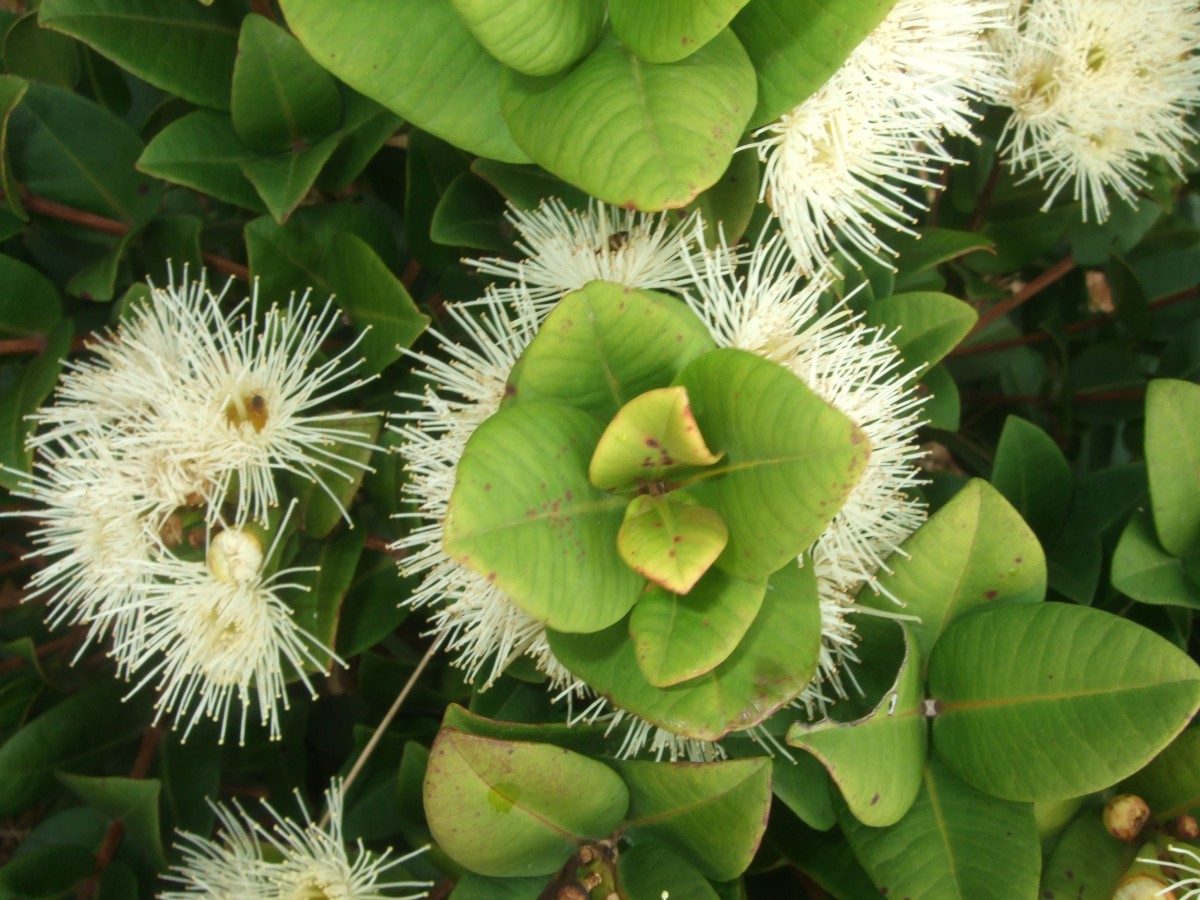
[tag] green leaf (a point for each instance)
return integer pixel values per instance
(1173, 460)
(131, 801)
(712, 814)
(366, 127)
(930, 325)
(430, 167)
(98, 279)
(943, 409)
(539, 530)
(39, 54)
(652, 435)
(973, 551)
(933, 246)
(670, 540)
(202, 151)
(876, 760)
(727, 206)
(527, 186)
(1087, 862)
(67, 149)
(648, 871)
(1143, 570)
(65, 736)
(1016, 684)
(443, 82)
(638, 135)
(605, 344)
(281, 99)
(803, 785)
(46, 874)
(1170, 784)
(678, 638)
(790, 460)
(1032, 473)
(796, 45)
(324, 504)
(469, 214)
(29, 303)
(183, 48)
(511, 808)
(479, 887)
(955, 843)
(12, 89)
(583, 738)
(34, 386)
(774, 662)
(374, 299)
(672, 29)
(283, 181)
(318, 610)
(537, 37)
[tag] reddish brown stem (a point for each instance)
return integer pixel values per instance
(1025, 294)
(116, 830)
(93, 222)
(1038, 337)
(383, 545)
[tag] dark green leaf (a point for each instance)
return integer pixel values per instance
(34, 386)
(1173, 460)
(29, 303)
(39, 54)
(1033, 475)
(202, 151)
(131, 801)
(184, 48)
(648, 871)
(283, 181)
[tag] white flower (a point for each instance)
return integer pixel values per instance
(1187, 877)
(1098, 88)
(856, 370)
(565, 249)
(196, 400)
(863, 150)
(216, 633)
(93, 536)
(310, 860)
(852, 367)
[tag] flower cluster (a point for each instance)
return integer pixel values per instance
(308, 860)
(155, 490)
(765, 311)
(1097, 88)
(866, 146)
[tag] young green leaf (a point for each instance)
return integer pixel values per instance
(670, 539)
(515, 808)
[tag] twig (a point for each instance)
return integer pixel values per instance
(116, 830)
(386, 721)
(93, 222)
(1025, 294)
(1038, 337)
(383, 545)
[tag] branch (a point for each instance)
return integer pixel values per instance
(116, 830)
(1038, 337)
(93, 222)
(1025, 294)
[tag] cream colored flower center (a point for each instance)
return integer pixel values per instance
(235, 556)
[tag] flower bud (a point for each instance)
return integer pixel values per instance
(235, 556)
(1185, 828)
(1125, 816)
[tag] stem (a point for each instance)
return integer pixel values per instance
(386, 721)
(383, 545)
(116, 830)
(1025, 294)
(93, 222)
(1038, 337)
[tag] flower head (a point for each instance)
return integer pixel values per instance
(183, 419)
(309, 860)
(565, 248)
(1098, 88)
(216, 633)
(764, 312)
(864, 148)
(195, 400)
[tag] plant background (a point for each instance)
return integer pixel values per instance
(133, 132)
